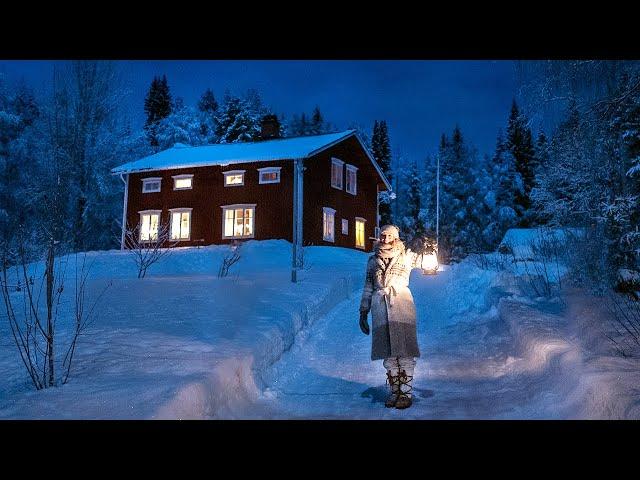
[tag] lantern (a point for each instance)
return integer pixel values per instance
(429, 263)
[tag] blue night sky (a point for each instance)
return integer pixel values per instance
(418, 99)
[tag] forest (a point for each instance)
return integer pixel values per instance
(568, 156)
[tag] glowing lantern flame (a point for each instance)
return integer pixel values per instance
(430, 262)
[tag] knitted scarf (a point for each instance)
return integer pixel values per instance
(389, 250)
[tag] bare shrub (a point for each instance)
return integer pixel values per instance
(498, 261)
(548, 251)
(625, 321)
(586, 259)
(33, 328)
(231, 258)
(147, 252)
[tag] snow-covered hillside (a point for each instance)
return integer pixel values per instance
(183, 343)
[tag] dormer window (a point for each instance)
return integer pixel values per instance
(233, 178)
(336, 173)
(269, 175)
(351, 186)
(183, 182)
(151, 184)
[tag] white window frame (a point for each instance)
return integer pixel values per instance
(328, 211)
(354, 169)
(345, 226)
(233, 172)
(233, 207)
(149, 212)
(269, 170)
(146, 181)
(364, 238)
(339, 164)
(181, 177)
(180, 210)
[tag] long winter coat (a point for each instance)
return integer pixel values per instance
(386, 294)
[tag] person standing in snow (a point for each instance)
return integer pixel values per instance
(386, 294)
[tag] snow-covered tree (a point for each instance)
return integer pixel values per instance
(413, 223)
(461, 221)
(182, 125)
(157, 105)
(238, 120)
(18, 112)
(207, 110)
(381, 151)
(520, 145)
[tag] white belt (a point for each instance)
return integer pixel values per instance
(388, 292)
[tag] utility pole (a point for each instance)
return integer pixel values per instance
(296, 250)
(438, 205)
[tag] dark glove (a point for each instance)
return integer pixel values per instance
(364, 323)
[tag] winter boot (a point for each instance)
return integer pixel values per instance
(394, 384)
(404, 390)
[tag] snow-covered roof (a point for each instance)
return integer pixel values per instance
(182, 156)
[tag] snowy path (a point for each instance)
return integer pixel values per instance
(471, 366)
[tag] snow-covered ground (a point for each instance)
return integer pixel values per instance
(184, 344)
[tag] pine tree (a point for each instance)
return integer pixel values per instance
(381, 151)
(461, 224)
(207, 110)
(157, 105)
(17, 113)
(317, 122)
(303, 128)
(207, 103)
(520, 145)
(183, 126)
(238, 120)
(375, 141)
(413, 224)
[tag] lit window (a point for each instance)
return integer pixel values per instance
(182, 182)
(328, 220)
(345, 226)
(233, 178)
(238, 221)
(360, 232)
(351, 179)
(149, 221)
(336, 173)
(269, 175)
(150, 185)
(180, 223)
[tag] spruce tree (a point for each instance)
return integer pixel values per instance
(459, 223)
(304, 125)
(520, 145)
(207, 110)
(238, 120)
(413, 224)
(381, 152)
(207, 103)
(317, 122)
(157, 105)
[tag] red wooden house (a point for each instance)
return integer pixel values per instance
(214, 194)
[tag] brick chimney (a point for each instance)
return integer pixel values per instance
(270, 127)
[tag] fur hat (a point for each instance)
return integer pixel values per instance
(390, 229)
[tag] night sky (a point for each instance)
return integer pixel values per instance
(418, 99)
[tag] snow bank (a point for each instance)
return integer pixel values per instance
(520, 241)
(183, 343)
